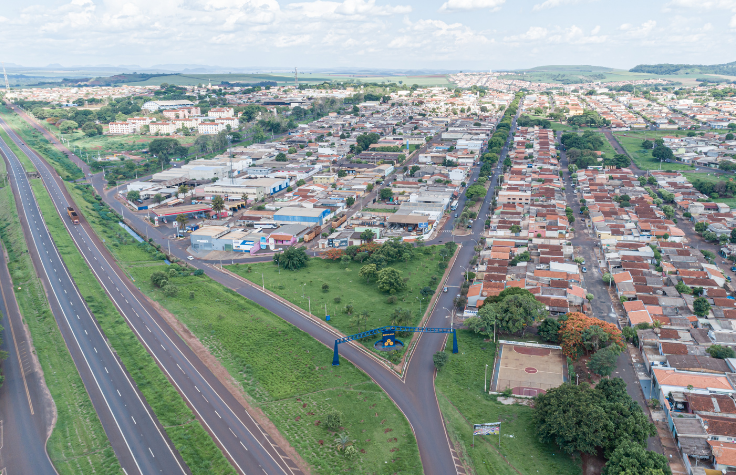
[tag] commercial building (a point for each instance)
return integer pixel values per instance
(306, 216)
(210, 128)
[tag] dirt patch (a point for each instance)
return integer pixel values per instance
(593, 464)
(230, 383)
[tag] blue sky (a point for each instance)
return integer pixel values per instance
(313, 34)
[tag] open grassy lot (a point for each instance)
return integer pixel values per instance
(78, 443)
(713, 178)
(463, 403)
(643, 158)
(61, 163)
(195, 445)
(276, 364)
(345, 284)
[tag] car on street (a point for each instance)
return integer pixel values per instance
(585, 270)
(191, 258)
(456, 215)
(444, 289)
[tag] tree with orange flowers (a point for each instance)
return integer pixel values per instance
(580, 334)
(334, 254)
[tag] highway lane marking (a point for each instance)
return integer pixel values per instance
(206, 399)
(162, 346)
(149, 330)
(95, 349)
(134, 422)
(218, 414)
(85, 332)
(119, 393)
(195, 387)
(241, 443)
(177, 364)
(231, 431)
(106, 371)
(149, 449)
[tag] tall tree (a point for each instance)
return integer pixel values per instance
(218, 204)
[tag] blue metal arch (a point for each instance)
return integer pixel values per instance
(358, 336)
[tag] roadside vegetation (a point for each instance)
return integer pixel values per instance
(194, 444)
(78, 443)
(282, 371)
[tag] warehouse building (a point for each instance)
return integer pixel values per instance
(305, 216)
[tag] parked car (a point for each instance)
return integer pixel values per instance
(190, 258)
(585, 270)
(444, 289)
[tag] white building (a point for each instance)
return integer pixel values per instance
(220, 112)
(225, 121)
(162, 127)
(209, 128)
(165, 105)
(120, 128)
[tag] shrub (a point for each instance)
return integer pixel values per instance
(159, 279)
(170, 290)
(198, 272)
(325, 287)
(337, 299)
(440, 359)
(333, 421)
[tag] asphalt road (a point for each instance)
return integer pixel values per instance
(249, 448)
(414, 394)
(586, 241)
(25, 415)
(139, 442)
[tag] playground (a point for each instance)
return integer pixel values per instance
(528, 368)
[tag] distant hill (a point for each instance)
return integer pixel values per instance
(583, 68)
(728, 69)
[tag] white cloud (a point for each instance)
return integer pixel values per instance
(552, 4)
(532, 34)
(348, 9)
(595, 30)
(575, 35)
(457, 5)
(640, 31)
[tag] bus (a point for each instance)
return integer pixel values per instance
(265, 225)
(453, 205)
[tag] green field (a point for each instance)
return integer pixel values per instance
(275, 363)
(462, 401)
(78, 443)
(713, 178)
(574, 74)
(299, 287)
(194, 444)
(643, 158)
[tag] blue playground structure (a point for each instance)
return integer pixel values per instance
(392, 329)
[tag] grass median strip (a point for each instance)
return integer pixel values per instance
(195, 445)
(78, 443)
(463, 402)
(281, 369)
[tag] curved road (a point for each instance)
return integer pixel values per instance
(414, 394)
(249, 448)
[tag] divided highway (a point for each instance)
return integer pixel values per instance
(145, 447)
(415, 393)
(139, 443)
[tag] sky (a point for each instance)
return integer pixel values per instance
(367, 34)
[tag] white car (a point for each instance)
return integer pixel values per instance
(190, 258)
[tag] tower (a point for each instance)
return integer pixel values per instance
(7, 84)
(296, 78)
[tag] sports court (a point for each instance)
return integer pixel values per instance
(528, 368)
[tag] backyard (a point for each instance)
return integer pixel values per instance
(348, 294)
(463, 402)
(281, 370)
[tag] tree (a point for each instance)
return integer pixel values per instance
(368, 271)
(512, 314)
(367, 235)
(163, 149)
(349, 201)
(549, 330)
(440, 359)
(159, 279)
(607, 278)
(182, 220)
(668, 211)
(293, 258)
(386, 194)
(333, 420)
(133, 195)
(701, 226)
(733, 236)
(647, 144)
(68, 126)
(158, 198)
(682, 288)
(474, 191)
(400, 317)
(701, 307)
(603, 362)
(573, 336)
(722, 352)
(389, 280)
(218, 204)
(630, 458)
(281, 157)
(584, 420)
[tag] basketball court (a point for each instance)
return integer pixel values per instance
(528, 368)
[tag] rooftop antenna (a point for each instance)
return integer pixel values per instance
(296, 77)
(7, 84)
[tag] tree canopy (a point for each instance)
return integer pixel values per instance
(390, 280)
(293, 258)
(577, 336)
(630, 458)
(512, 314)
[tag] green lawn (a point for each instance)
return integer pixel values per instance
(275, 363)
(78, 443)
(195, 445)
(713, 178)
(643, 158)
(463, 403)
(34, 139)
(346, 285)
(563, 127)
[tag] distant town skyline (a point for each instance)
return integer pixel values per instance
(400, 34)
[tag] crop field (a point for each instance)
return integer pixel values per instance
(78, 443)
(463, 402)
(346, 287)
(273, 362)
